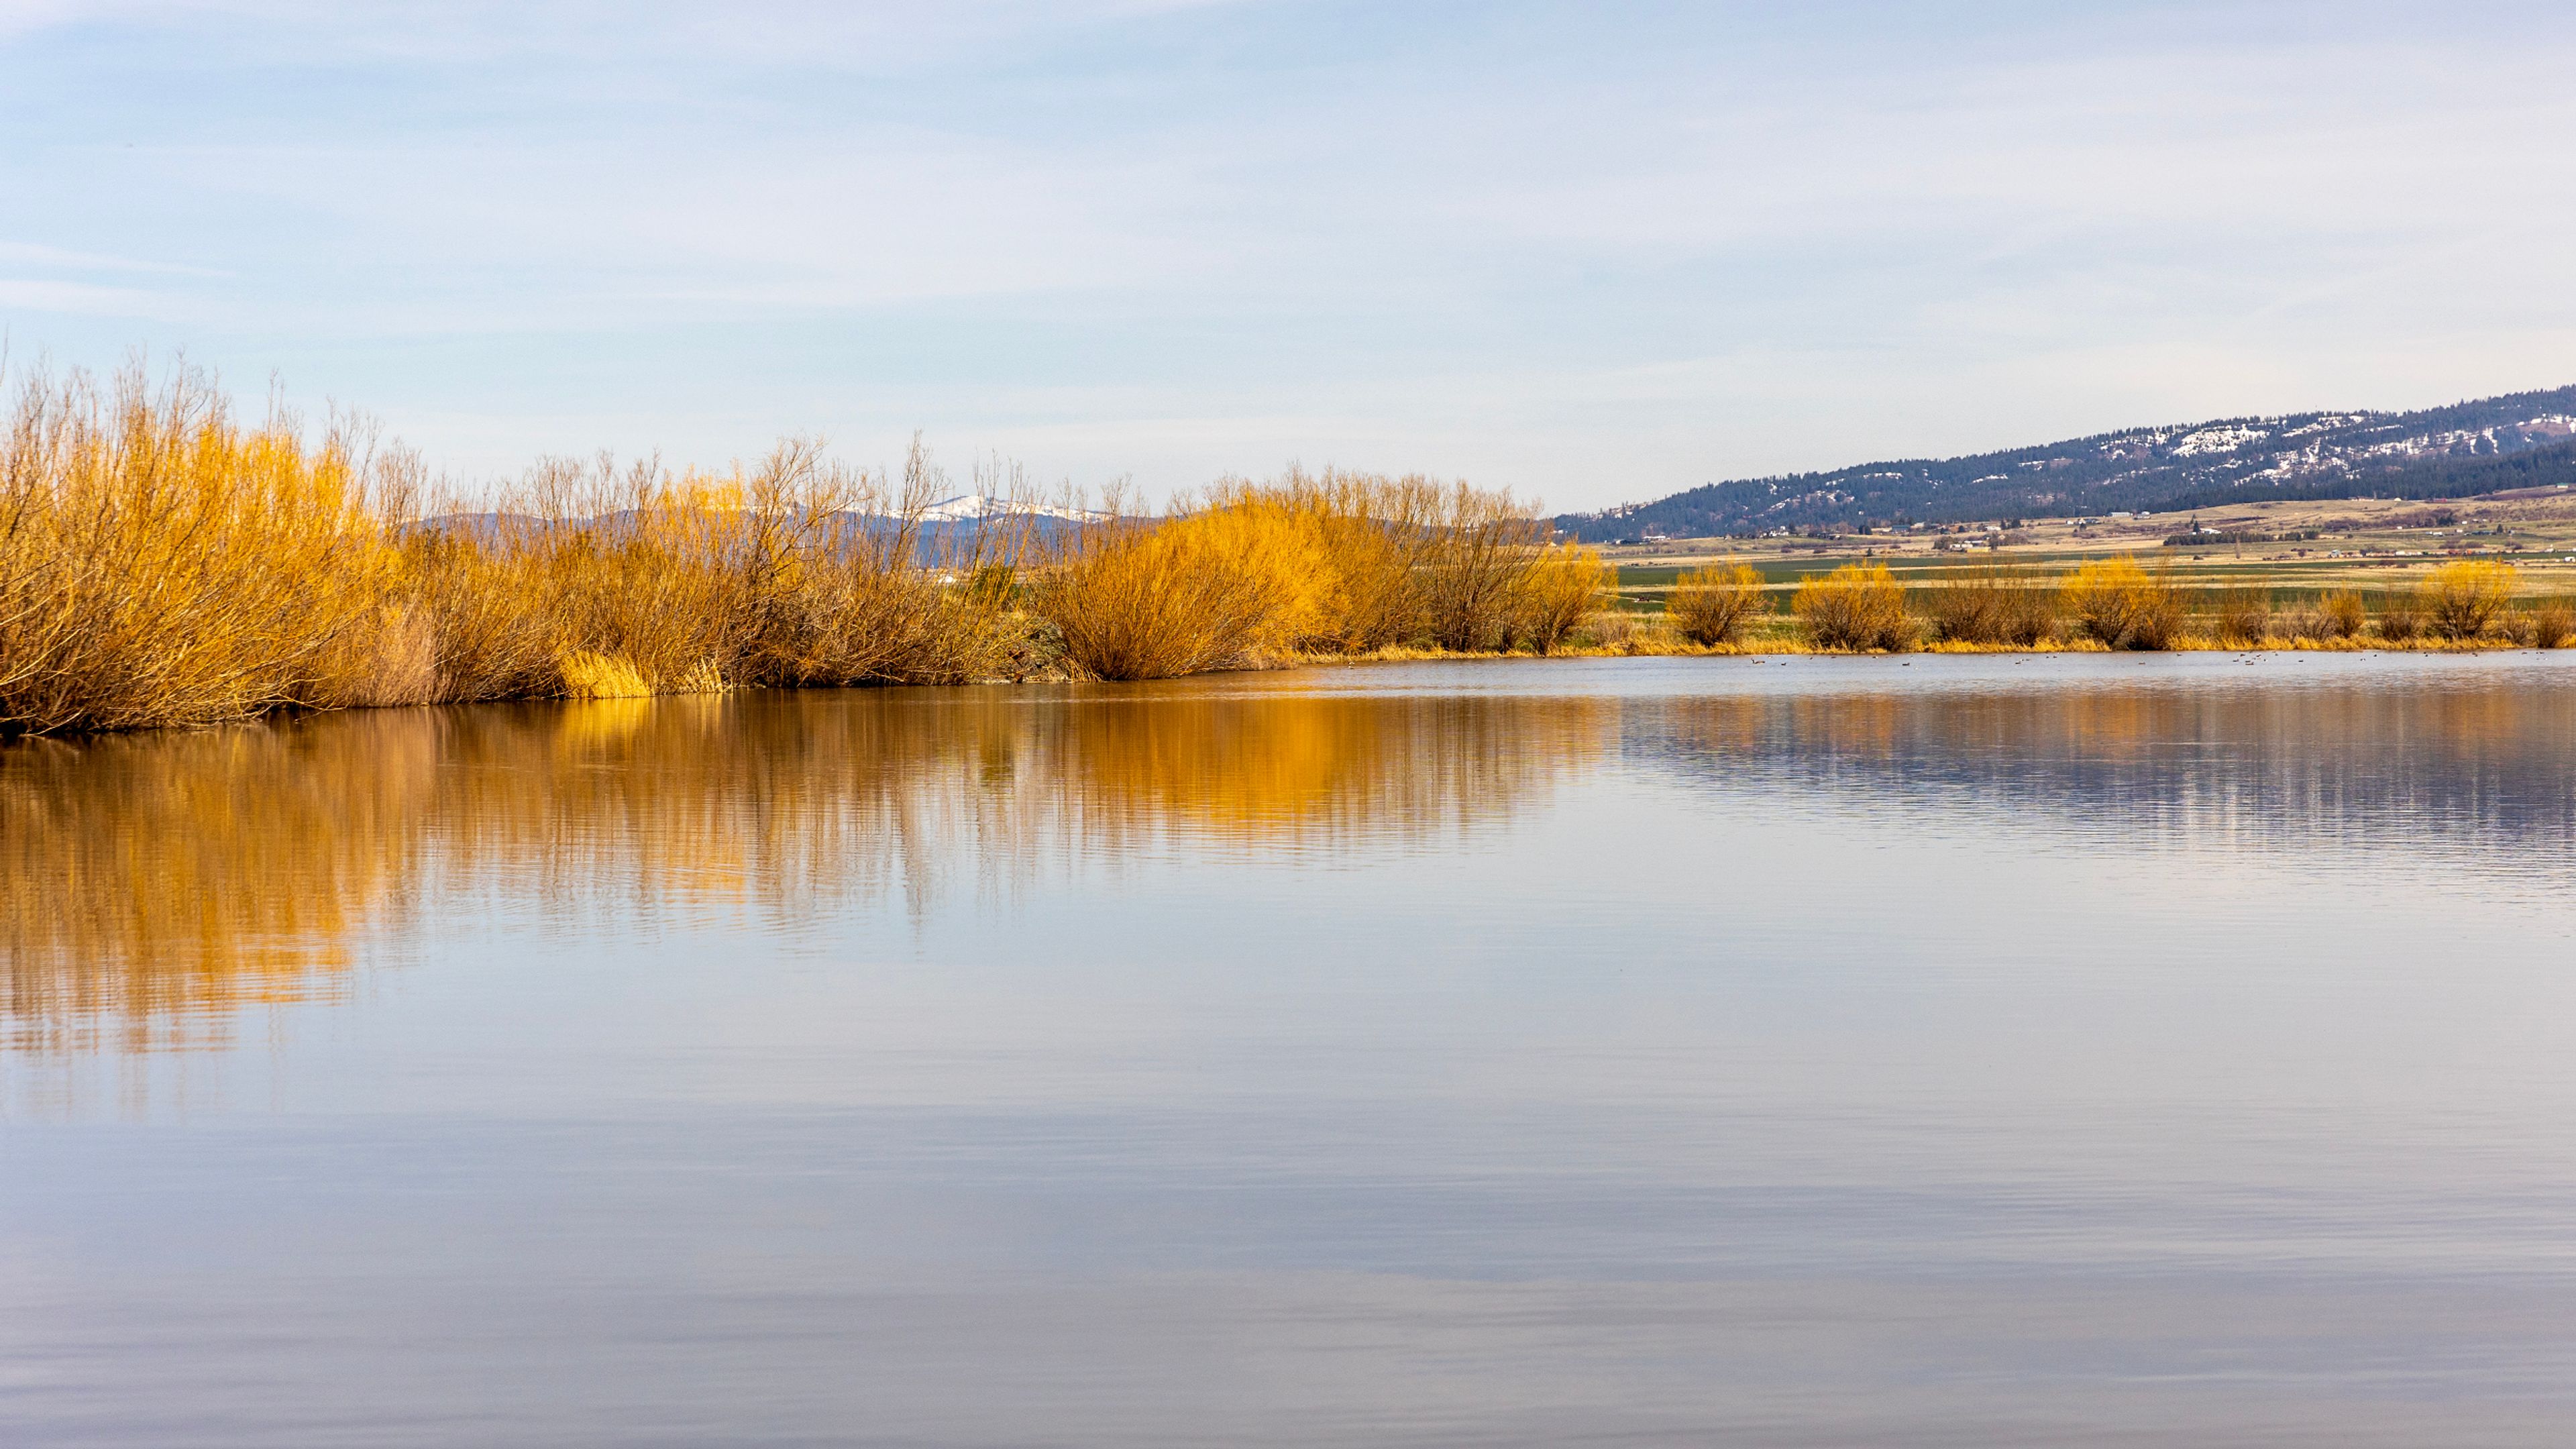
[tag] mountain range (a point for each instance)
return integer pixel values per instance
(2493, 445)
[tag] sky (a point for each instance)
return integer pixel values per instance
(1592, 252)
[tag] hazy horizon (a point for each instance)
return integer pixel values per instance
(1594, 254)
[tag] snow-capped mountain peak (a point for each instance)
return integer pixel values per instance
(977, 507)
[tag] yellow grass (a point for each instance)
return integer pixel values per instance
(587, 675)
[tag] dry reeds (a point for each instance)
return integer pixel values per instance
(2296, 625)
(1612, 629)
(2121, 606)
(1710, 606)
(1857, 606)
(592, 582)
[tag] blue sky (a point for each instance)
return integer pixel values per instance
(1592, 252)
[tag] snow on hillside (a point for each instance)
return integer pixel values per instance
(2218, 440)
(2518, 441)
(977, 507)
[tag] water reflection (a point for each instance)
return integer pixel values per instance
(150, 887)
(2477, 765)
(149, 883)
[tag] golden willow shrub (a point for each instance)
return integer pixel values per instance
(2341, 615)
(1992, 606)
(1480, 552)
(589, 582)
(1369, 538)
(2462, 600)
(1329, 564)
(1141, 598)
(2121, 606)
(1711, 605)
(846, 585)
(1857, 606)
(1559, 591)
(162, 565)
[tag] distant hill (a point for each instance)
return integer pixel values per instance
(2525, 440)
(940, 530)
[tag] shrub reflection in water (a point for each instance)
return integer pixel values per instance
(151, 886)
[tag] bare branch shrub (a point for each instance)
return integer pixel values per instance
(1992, 606)
(2241, 616)
(2399, 618)
(2553, 623)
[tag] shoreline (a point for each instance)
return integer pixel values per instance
(1679, 649)
(1782, 649)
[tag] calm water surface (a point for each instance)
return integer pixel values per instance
(1931, 1052)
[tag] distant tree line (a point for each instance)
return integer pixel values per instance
(2141, 470)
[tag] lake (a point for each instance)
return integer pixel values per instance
(1931, 1051)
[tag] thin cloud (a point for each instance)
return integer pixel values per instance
(47, 295)
(61, 258)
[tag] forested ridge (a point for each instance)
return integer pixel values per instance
(2522, 440)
